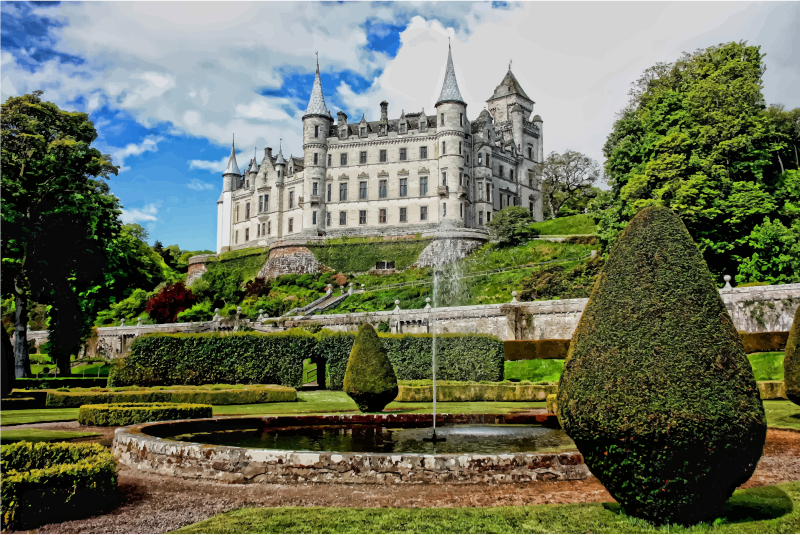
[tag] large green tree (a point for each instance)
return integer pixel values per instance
(59, 221)
(697, 137)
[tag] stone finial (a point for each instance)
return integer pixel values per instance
(514, 297)
(216, 317)
(727, 287)
(139, 322)
(329, 290)
(260, 315)
(122, 323)
(396, 305)
(350, 289)
(427, 303)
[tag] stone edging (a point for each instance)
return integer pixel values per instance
(138, 447)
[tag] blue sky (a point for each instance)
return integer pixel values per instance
(167, 85)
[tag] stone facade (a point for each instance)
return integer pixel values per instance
(140, 448)
(289, 257)
(417, 173)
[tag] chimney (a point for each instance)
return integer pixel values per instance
(384, 111)
(268, 153)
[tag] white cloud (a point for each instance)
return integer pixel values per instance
(199, 185)
(148, 212)
(149, 144)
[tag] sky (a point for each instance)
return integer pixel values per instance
(168, 84)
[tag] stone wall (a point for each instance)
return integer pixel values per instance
(290, 256)
(197, 267)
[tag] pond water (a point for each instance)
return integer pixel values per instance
(461, 438)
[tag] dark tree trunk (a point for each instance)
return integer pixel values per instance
(64, 365)
(22, 364)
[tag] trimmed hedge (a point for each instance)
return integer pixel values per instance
(369, 380)
(554, 348)
(119, 414)
(459, 357)
(475, 392)
(552, 404)
(33, 383)
(45, 482)
(19, 404)
(772, 389)
(232, 396)
(237, 358)
(763, 342)
(791, 361)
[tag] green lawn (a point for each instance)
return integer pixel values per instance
(782, 414)
(40, 435)
(534, 370)
(562, 226)
(31, 416)
(767, 366)
(773, 509)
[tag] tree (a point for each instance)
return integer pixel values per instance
(791, 361)
(47, 190)
(169, 302)
(696, 137)
(369, 379)
(563, 176)
(657, 392)
(511, 225)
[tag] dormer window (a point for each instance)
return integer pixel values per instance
(363, 131)
(279, 173)
(383, 129)
(403, 128)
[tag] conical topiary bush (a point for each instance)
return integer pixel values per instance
(791, 361)
(369, 378)
(657, 392)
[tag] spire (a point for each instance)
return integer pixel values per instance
(316, 105)
(450, 87)
(233, 167)
(253, 164)
(280, 160)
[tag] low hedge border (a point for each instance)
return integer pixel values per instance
(476, 392)
(34, 383)
(48, 482)
(554, 348)
(762, 342)
(119, 414)
(19, 404)
(240, 396)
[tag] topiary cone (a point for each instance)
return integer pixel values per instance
(657, 392)
(791, 361)
(369, 379)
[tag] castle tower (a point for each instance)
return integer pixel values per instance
(452, 147)
(316, 125)
(230, 181)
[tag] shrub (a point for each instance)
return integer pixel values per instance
(32, 383)
(511, 225)
(173, 299)
(369, 379)
(43, 482)
(791, 361)
(536, 349)
(657, 393)
(118, 414)
(459, 357)
(205, 395)
(237, 358)
(763, 342)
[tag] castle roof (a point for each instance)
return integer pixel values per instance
(316, 105)
(233, 167)
(509, 86)
(450, 87)
(253, 164)
(279, 160)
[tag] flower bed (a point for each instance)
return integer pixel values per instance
(206, 394)
(119, 414)
(44, 482)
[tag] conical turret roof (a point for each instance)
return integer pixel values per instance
(280, 159)
(316, 105)
(233, 167)
(450, 87)
(509, 86)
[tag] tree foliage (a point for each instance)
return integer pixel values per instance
(165, 306)
(511, 225)
(564, 176)
(697, 137)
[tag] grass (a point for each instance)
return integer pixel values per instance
(534, 370)
(562, 226)
(782, 414)
(41, 435)
(31, 416)
(773, 509)
(767, 366)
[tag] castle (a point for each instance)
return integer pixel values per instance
(418, 173)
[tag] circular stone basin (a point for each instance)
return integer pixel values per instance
(355, 448)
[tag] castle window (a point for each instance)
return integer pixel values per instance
(488, 216)
(402, 155)
(383, 129)
(279, 173)
(487, 163)
(530, 153)
(362, 217)
(266, 202)
(269, 227)
(237, 211)
(383, 155)
(316, 132)
(403, 128)
(247, 184)
(316, 158)
(461, 209)
(315, 188)
(362, 157)
(330, 187)
(501, 171)
(291, 224)
(343, 159)
(343, 192)
(382, 189)
(444, 209)
(480, 217)
(488, 195)
(530, 179)
(382, 215)
(363, 131)
(444, 148)
(342, 219)
(404, 187)
(263, 229)
(291, 199)
(423, 186)
(328, 219)
(460, 119)
(530, 207)
(460, 179)
(236, 237)
(258, 231)
(403, 215)
(314, 217)
(511, 175)
(423, 213)
(246, 235)
(362, 190)
(329, 160)
(260, 204)
(459, 147)
(442, 121)
(480, 191)
(247, 211)
(444, 178)
(423, 153)
(480, 159)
